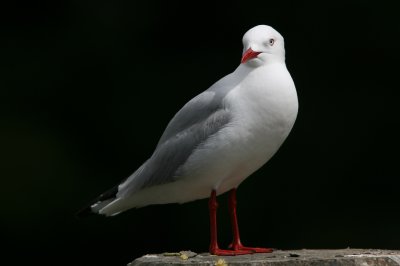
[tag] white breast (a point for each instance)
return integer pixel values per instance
(265, 108)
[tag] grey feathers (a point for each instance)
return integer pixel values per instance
(199, 119)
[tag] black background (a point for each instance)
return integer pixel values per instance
(87, 88)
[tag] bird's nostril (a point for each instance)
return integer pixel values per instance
(249, 54)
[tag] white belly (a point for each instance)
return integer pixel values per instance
(231, 156)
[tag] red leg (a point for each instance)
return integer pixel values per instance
(236, 244)
(214, 249)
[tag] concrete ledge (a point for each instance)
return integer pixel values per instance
(305, 257)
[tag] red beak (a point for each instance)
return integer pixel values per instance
(249, 54)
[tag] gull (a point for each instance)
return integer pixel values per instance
(217, 139)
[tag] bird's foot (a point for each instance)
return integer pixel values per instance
(226, 252)
(240, 247)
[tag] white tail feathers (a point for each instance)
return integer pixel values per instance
(108, 207)
(96, 208)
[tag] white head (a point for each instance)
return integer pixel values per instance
(261, 45)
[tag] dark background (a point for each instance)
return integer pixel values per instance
(87, 88)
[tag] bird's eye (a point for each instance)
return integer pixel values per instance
(271, 42)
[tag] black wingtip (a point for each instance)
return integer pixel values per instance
(87, 210)
(84, 212)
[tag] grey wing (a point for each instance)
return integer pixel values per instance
(199, 119)
(193, 112)
(200, 107)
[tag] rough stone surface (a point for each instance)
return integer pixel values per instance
(305, 257)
